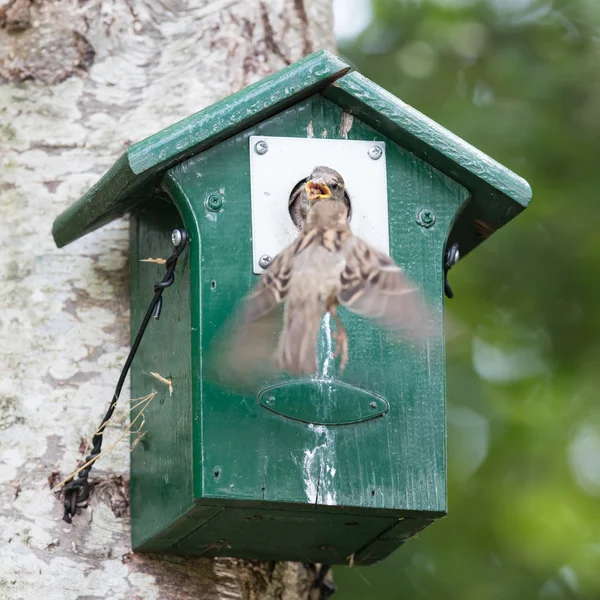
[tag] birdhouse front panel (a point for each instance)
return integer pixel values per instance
(334, 467)
(363, 449)
(250, 449)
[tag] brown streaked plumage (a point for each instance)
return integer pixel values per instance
(324, 267)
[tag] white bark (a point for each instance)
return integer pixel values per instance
(81, 80)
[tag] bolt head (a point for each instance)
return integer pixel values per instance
(261, 147)
(373, 405)
(426, 218)
(264, 261)
(176, 237)
(214, 202)
(375, 152)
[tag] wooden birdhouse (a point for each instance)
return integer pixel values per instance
(319, 469)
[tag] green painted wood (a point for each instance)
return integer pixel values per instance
(245, 454)
(161, 462)
(294, 535)
(324, 402)
(498, 194)
(276, 463)
(222, 474)
(168, 540)
(136, 175)
(390, 539)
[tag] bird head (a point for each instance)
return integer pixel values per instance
(324, 183)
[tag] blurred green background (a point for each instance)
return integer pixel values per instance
(520, 80)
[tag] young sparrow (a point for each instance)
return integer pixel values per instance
(324, 267)
(323, 182)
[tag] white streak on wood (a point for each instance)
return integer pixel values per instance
(325, 351)
(319, 467)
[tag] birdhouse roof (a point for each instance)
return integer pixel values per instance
(497, 194)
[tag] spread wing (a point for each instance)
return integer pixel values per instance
(373, 286)
(243, 353)
(274, 284)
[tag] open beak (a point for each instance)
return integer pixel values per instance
(317, 191)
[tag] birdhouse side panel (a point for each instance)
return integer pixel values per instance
(161, 438)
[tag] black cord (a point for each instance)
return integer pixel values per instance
(326, 588)
(77, 491)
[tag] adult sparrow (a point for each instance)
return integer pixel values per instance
(326, 266)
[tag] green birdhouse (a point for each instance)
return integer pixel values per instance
(327, 469)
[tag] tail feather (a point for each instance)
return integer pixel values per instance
(297, 351)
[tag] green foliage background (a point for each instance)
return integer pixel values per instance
(520, 80)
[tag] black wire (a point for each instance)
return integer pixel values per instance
(326, 588)
(77, 491)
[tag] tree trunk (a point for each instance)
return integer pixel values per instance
(82, 79)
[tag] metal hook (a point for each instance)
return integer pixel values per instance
(452, 256)
(179, 239)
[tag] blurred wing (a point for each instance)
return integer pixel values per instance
(373, 286)
(274, 284)
(243, 353)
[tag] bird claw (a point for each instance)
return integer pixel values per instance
(341, 347)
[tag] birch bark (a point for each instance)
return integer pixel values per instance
(80, 80)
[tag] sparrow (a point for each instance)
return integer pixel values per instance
(323, 182)
(325, 267)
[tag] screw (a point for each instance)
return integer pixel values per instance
(426, 218)
(375, 152)
(373, 405)
(270, 399)
(176, 237)
(261, 147)
(214, 202)
(264, 261)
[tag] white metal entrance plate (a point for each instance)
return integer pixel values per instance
(274, 173)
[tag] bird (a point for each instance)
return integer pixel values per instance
(323, 180)
(325, 267)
